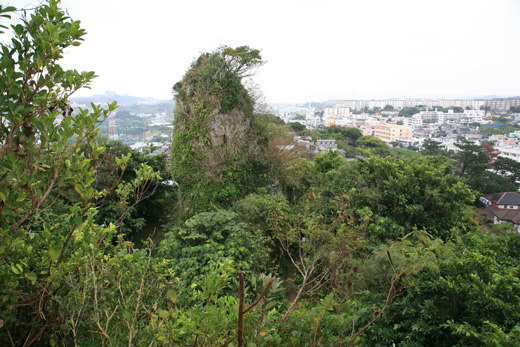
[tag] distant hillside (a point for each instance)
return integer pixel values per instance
(160, 107)
(109, 96)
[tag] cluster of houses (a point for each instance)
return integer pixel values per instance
(502, 208)
(447, 128)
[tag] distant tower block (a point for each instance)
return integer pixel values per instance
(112, 129)
(331, 122)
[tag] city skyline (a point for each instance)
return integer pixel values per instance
(333, 50)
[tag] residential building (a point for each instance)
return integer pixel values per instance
(472, 104)
(393, 132)
(505, 200)
(503, 207)
(336, 112)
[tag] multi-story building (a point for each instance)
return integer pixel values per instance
(468, 116)
(393, 132)
(473, 104)
(336, 112)
(502, 104)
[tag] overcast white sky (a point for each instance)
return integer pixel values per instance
(314, 50)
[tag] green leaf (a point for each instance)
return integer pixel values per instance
(16, 269)
(172, 295)
(163, 313)
(31, 276)
(54, 253)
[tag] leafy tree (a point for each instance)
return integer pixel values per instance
(297, 127)
(327, 161)
(388, 108)
(465, 295)
(34, 91)
(369, 141)
(472, 163)
(431, 147)
(269, 118)
(49, 259)
(317, 250)
(413, 193)
(258, 211)
(349, 135)
(149, 209)
(408, 111)
(457, 109)
(514, 109)
(509, 168)
(208, 239)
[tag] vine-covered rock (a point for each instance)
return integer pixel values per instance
(214, 149)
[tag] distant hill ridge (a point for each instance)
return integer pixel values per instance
(109, 96)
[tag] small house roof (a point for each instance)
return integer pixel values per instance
(508, 215)
(507, 198)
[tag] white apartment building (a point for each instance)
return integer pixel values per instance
(473, 104)
(414, 120)
(502, 104)
(510, 151)
(336, 112)
(468, 116)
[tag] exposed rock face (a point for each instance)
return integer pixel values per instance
(228, 129)
(213, 142)
(229, 142)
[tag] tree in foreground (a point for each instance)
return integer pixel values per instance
(62, 276)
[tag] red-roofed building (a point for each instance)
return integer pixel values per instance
(503, 207)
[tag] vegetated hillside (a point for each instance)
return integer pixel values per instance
(267, 243)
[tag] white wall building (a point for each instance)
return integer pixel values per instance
(474, 104)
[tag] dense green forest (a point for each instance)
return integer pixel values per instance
(241, 238)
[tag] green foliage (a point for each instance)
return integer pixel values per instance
(472, 164)
(408, 111)
(328, 161)
(349, 135)
(509, 168)
(258, 211)
(206, 240)
(467, 296)
(297, 127)
(506, 129)
(118, 299)
(211, 317)
(269, 118)
(369, 141)
(110, 208)
(415, 193)
(48, 255)
(404, 153)
(431, 147)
